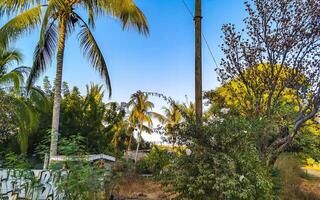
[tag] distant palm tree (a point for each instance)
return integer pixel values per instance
(60, 20)
(171, 118)
(95, 94)
(118, 123)
(120, 130)
(141, 114)
(189, 111)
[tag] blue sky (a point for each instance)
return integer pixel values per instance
(162, 62)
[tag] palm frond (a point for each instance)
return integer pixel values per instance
(15, 77)
(128, 13)
(8, 57)
(38, 99)
(26, 119)
(43, 54)
(160, 117)
(92, 10)
(92, 51)
(148, 118)
(52, 7)
(22, 23)
(147, 129)
(14, 6)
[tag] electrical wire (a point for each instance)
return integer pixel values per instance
(203, 36)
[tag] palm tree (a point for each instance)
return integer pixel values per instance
(120, 132)
(171, 119)
(60, 19)
(7, 59)
(140, 114)
(189, 111)
(118, 123)
(21, 107)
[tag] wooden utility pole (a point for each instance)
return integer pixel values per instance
(198, 63)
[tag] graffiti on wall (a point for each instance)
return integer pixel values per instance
(30, 184)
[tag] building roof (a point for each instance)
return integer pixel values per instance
(83, 158)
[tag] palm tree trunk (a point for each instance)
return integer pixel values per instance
(57, 90)
(198, 64)
(137, 150)
(129, 143)
(139, 141)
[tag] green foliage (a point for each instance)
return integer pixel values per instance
(224, 163)
(157, 159)
(74, 145)
(307, 145)
(85, 181)
(97, 126)
(15, 161)
(20, 108)
(140, 115)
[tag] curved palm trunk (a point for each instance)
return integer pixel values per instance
(57, 90)
(139, 141)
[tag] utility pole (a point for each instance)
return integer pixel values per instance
(198, 63)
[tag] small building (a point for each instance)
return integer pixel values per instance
(132, 154)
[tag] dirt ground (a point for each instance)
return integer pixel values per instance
(140, 188)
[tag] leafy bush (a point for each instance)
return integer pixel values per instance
(221, 163)
(86, 181)
(143, 167)
(307, 144)
(74, 145)
(14, 161)
(155, 161)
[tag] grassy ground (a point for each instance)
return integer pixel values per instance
(296, 183)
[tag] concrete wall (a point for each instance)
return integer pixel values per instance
(30, 184)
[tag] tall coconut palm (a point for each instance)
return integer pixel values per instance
(141, 114)
(59, 20)
(171, 119)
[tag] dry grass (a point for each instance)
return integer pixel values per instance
(136, 187)
(296, 184)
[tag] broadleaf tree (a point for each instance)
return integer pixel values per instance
(279, 35)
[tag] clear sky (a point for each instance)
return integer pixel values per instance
(162, 62)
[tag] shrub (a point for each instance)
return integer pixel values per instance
(155, 161)
(87, 181)
(15, 161)
(221, 163)
(307, 144)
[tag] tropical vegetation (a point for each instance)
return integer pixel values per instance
(263, 117)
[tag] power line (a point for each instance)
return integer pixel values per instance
(203, 36)
(187, 7)
(210, 50)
